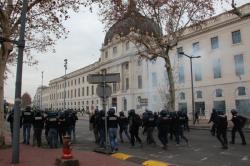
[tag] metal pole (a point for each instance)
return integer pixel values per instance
(42, 93)
(21, 45)
(104, 108)
(64, 95)
(192, 88)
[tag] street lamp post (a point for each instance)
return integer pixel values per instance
(41, 107)
(17, 107)
(64, 93)
(192, 84)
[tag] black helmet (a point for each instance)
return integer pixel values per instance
(163, 113)
(111, 111)
(132, 112)
(221, 112)
(121, 113)
(233, 111)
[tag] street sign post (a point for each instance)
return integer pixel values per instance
(103, 90)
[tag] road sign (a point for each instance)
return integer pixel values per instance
(143, 102)
(100, 78)
(103, 91)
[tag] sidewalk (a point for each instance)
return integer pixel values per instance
(34, 156)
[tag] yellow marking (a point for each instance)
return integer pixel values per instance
(154, 163)
(121, 156)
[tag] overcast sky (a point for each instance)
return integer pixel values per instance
(81, 48)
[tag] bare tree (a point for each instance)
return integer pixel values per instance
(44, 26)
(173, 17)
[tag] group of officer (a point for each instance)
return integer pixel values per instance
(169, 124)
(56, 125)
(220, 124)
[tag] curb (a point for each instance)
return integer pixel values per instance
(144, 162)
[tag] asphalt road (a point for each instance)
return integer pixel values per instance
(203, 149)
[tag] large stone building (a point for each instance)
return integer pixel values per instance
(221, 76)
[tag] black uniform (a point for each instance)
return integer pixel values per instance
(123, 124)
(238, 122)
(134, 124)
(150, 123)
(52, 125)
(112, 129)
(38, 124)
(94, 125)
(61, 126)
(212, 119)
(221, 124)
(163, 124)
(27, 120)
(181, 121)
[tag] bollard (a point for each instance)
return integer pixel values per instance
(66, 148)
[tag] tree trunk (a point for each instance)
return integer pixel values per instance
(5, 50)
(171, 90)
(2, 67)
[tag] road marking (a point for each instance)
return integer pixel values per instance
(245, 158)
(205, 158)
(196, 150)
(121, 156)
(154, 163)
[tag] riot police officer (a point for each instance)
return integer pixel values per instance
(238, 122)
(134, 125)
(221, 124)
(61, 126)
(181, 120)
(150, 123)
(27, 120)
(52, 124)
(101, 128)
(123, 124)
(38, 124)
(212, 119)
(163, 125)
(112, 122)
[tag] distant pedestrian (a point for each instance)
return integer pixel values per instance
(196, 117)
(212, 119)
(239, 122)
(221, 124)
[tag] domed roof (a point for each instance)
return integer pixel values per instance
(135, 20)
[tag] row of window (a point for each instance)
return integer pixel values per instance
(241, 91)
(73, 93)
(236, 39)
(238, 63)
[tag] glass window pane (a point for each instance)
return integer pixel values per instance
(239, 65)
(214, 42)
(236, 37)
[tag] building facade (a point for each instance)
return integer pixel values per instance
(221, 76)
